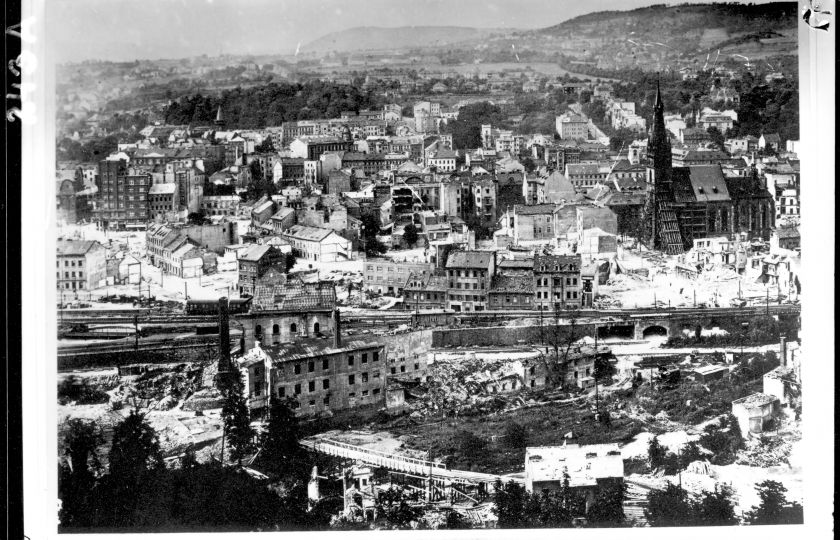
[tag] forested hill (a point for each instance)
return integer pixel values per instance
(663, 22)
(272, 104)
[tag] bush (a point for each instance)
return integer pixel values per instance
(516, 436)
(74, 389)
(470, 446)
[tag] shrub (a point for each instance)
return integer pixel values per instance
(74, 389)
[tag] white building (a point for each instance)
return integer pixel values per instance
(317, 244)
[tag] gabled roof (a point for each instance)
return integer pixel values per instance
(305, 349)
(76, 247)
(254, 252)
(512, 283)
(534, 209)
(302, 232)
(469, 259)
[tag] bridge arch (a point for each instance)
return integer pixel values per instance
(654, 330)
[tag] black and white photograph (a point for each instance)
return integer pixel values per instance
(416, 265)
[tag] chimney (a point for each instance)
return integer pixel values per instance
(336, 329)
(224, 334)
(783, 351)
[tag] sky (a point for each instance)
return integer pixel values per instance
(127, 30)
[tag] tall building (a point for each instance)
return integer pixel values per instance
(123, 195)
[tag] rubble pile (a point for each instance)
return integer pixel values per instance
(460, 386)
(159, 387)
(765, 452)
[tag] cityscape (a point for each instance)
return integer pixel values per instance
(435, 277)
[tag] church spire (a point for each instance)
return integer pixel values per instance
(659, 146)
(219, 120)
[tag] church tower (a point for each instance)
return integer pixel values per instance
(219, 122)
(659, 146)
(662, 227)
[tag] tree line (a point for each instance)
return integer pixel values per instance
(272, 104)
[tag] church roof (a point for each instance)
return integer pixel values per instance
(708, 183)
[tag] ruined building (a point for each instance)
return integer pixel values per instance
(685, 203)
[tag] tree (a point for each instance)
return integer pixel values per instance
(134, 448)
(608, 508)
(716, 136)
(197, 218)
(604, 369)
(265, 147)
(656, 453)
(398, 507)
(510, 499)
(516, 435)
(77, 478)
(281, 453)
(774, 508)
(669, 507)
(690, 453)
(715, 508)
(237, 422)
(455, 520)
(291, 260)
(370, 228)
(469, 445)
(410, 234)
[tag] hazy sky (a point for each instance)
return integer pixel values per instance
(142, 29)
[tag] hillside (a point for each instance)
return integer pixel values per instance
(654, 38)
(370, 38)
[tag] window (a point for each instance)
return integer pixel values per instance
(364, 393)
(317, 327)
(275, 329)
(393, 370)
(325, 384)
(311, 386)
(351, 379)
(416, 366)
(325, 364)
(376, 356)
(258, 330)
(350, 360)
(402, 369)
(376, 391)
(327, 401)
(297, 389)
(281, 392)
(297, 369)
(364, 358)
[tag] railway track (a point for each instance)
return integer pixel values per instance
(156, 343)
(94, 317)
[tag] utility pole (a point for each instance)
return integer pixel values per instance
(185, 291)
(767, 302)
(695, 297)
(136, 335)
(595, 376)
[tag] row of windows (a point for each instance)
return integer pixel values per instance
(69, 275)
(465, 273)
(510, 300)
(544, 282)
(281, 392)
(71, 263)
(453, 285)
(465, 298)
